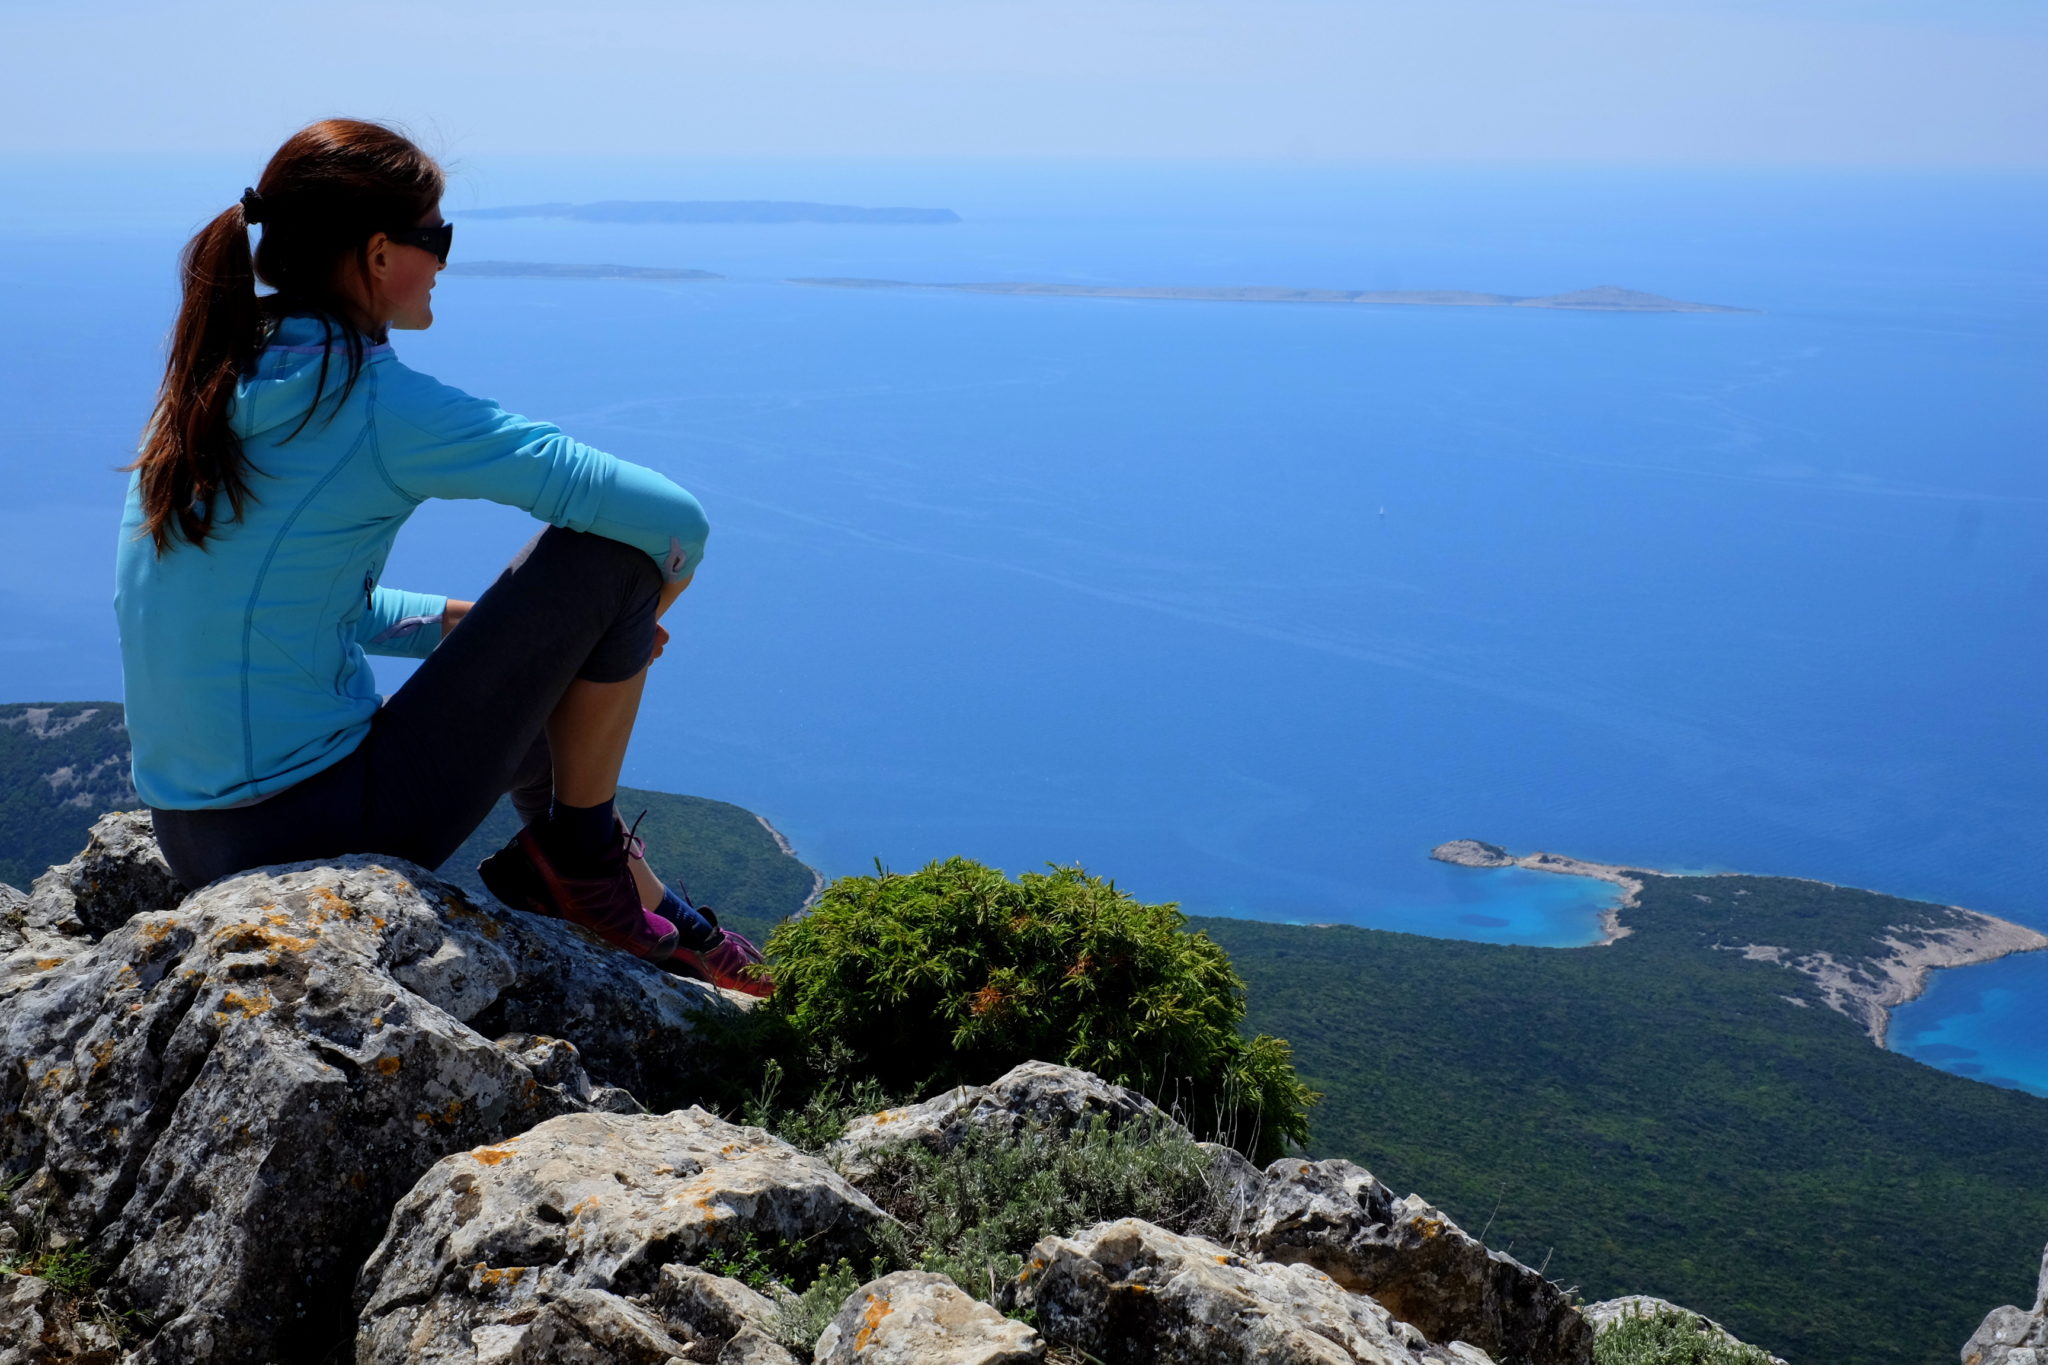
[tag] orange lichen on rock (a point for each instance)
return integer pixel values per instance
(490, 1277)
(248, 1006)
(878, 1308)
(491, 1156)
(389, 1065)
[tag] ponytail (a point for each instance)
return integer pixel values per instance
(326, 192)
(189, 452)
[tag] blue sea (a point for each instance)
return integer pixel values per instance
(1246, 606)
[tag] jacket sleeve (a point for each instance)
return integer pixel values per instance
(406, 625)
(439, 442)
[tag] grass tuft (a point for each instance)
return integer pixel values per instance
(1670, 1336)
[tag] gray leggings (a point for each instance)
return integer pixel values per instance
(463, 730)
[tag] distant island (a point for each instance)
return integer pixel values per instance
(1604, 298)
(552, 270)
(717, 211)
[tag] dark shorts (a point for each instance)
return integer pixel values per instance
(463, 730)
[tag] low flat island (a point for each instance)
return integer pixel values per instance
(1605, 298)
(718, 211)
(551, 270)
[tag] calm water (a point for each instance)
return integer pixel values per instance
(1986, 1022)
(1245, 606)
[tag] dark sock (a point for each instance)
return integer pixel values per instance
(693, 931)
(577, 838)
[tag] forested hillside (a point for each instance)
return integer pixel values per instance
(1660, 1117)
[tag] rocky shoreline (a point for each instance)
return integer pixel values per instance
(789, 851)
(1865, 989)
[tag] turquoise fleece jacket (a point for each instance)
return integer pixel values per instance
(243, 658)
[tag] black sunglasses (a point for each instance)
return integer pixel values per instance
(435, 239)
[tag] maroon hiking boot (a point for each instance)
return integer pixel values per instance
(733, 962)
(607, 904)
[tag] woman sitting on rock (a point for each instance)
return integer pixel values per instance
(287, 448)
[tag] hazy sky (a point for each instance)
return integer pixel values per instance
(1911, 82)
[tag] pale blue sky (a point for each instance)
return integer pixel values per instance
(1861, 82)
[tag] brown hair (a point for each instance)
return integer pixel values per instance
(325, 193)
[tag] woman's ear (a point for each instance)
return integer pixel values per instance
(377, 257)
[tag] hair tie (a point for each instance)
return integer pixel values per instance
(252, 206)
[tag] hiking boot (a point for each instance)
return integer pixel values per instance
(607, 904)
(726, 963)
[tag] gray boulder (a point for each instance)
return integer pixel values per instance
(1032, 1097)
(221, 1099)
(586, 1210)
(119, 875)
(917, 1318)
(1417, 1263)
(1135, 1293)
(2013, 1336)
(720, 1314)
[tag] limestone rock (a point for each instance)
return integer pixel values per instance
(916, 1318)
(1415, 1262)
(1034, 1095)
(723, 1312)
(39, 1325)
(2013, 1336)
(223, 1098)
(1132, 1292)
(575, 1327)
(589, 1203)
(119, 875)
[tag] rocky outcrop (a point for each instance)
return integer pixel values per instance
(1608, 1312)
(1415, 1262)
(917, 1318)
(588, 1209)
(120, 875)
(720, 1313)
(221, 1099)
(1035, 1096)
(1130, 1291)
(2013, 1336)
(1472, 853)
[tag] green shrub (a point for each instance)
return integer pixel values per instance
(972, 1213)
(954, 974)
(1670, 1336)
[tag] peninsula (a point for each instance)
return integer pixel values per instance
(716, 211)
(552, 270)
(1604, 298)
(1864, 951)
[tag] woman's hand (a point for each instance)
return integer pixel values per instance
(660, 641)
(452, 614)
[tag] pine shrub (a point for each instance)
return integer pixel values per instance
(954, 974)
